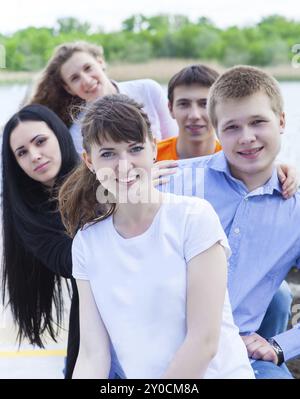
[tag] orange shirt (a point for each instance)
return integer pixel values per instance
(166, 149)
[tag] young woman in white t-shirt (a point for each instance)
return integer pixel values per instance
(150, 267)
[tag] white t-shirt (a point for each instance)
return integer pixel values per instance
(139, 285)
(151, 95)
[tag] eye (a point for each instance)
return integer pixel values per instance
(183, 104)
(21, 153)
(40, 141)
(107, 154)
(87, 67)
(74, 78)
(203, 103)
(137, 148)
(230, 127)
(258, 121)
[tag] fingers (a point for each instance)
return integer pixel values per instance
(289, 179)
(169, 163)
(163, 180)
(259, 348)
(163, 172)
(290, 186)
(281, 172)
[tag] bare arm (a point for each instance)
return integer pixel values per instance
(207, 276)
(93, 360)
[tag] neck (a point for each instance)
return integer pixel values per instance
(191, 149)
(134, 213)
(131, 220)
(253, 180)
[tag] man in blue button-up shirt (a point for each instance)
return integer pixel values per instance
(245, 106)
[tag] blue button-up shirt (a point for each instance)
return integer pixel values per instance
(263, 230)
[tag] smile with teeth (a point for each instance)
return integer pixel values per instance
(128, 180)
(92, 88)
(250, 151)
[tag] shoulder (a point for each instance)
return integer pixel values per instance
(166, 149)
(140, 85)
(186, 205)
(167, 142)
(195, 162)
(294, 202)
(91, 230)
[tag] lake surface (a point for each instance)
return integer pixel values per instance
(11, 96)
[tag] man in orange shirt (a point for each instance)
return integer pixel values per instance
(187, 94)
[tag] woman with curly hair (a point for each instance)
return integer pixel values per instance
(75, 75)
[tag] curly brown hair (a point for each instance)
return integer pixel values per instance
(50, 89)
(116, 117)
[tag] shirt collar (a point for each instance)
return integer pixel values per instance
(219, 163)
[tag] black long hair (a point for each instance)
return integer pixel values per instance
(30, 212)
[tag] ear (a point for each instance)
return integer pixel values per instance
(282, 122)
(87, 160)
(171, 109)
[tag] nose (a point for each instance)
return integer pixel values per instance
(35, 155)
(247, 136)
(194, 112)
(86, 79)
(124, 164)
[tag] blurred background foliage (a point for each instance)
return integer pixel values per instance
(142, 38)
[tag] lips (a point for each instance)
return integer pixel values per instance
(195, 128)
(92, 88)
(128, 180)
(41, 167)
(250, 153)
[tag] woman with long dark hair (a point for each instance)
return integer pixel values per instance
(37, 154)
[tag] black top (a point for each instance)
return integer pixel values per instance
(54, 250)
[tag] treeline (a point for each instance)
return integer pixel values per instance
(142, 38)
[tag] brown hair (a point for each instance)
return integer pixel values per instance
(194, 74)
(242, 81)
(50, 89)
(115, 117)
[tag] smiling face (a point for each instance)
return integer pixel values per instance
(249, 132)
(37, 151)
(84, 77)
(122, 167)
(189, 110)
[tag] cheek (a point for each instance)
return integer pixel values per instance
(23, 165)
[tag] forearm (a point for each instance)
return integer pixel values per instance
(192, 359)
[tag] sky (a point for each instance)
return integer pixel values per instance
(18, 14)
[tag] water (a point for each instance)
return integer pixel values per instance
(11, 96)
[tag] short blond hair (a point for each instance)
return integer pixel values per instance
(242, 81)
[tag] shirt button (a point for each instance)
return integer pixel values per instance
(236, 230)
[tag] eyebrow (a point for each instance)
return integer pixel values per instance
(236, 120)
(191, 99)
(112, 148)
(19, 148)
